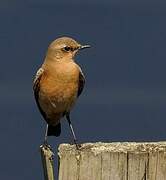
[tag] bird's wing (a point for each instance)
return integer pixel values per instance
(36, 89)
(81, 82)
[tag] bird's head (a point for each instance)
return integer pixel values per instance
(64, 47)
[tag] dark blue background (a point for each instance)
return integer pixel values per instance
(125, 94)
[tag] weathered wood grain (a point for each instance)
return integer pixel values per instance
(47, 162)
(113, 161)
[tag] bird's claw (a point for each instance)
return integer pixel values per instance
(78, 146)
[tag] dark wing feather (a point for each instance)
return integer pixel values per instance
(81, 83)
(36, 89)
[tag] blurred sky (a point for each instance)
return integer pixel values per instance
(125, 94)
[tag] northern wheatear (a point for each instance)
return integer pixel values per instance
(58, 83)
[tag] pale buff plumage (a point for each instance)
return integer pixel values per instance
(58, 89)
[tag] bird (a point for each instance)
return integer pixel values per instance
(58, 83)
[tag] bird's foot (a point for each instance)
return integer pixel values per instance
(78, 146)
(45, 143)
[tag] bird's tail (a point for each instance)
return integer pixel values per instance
(54, 130)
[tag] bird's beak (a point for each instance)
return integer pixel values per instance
(84, 46)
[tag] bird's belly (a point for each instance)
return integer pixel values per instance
(58, 98)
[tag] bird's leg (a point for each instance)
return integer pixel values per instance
(72, 130)
(45, 136)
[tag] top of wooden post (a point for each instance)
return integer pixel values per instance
(124, 147)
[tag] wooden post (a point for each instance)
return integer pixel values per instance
(113, 161)
(47, 162)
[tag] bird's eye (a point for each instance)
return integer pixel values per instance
(67, 48)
